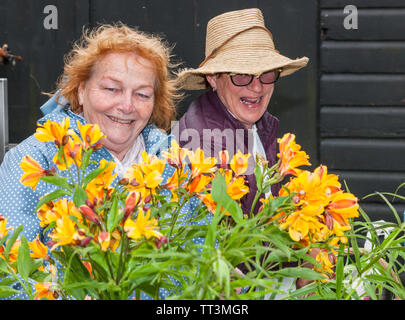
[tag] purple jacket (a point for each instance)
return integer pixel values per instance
(226, 132)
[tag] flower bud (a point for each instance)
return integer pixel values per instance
(89, 204)
(89, 214)
(65, 139)
(134, 183)
(123, 181)
(97, 146)
(329, 221)
(85, 241)
(147, 198)
(51, 243)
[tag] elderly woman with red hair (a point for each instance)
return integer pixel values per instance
(116, 77)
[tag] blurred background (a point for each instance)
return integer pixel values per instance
(347, 107)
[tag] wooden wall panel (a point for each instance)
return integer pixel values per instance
(373, 24)
(360, 89)
(363, 154)
(362, 3)
(363, 183)
(349, 122)
(363, 57)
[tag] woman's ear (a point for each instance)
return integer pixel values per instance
(212, 80)
(80, 93)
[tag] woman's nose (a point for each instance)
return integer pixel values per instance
(256, 85)
(127, 104)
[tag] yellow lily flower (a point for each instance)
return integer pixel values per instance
(32, 172)
(39, 250)
(342, 207)
(136, 181)
(72, 154)
(176, 155)
(91, 134)
(198, 184)
(44, 290)
(291, 155)
(151, 164)
(142, 226)
(201, 164)
(13, 254)
(54, 132)
(3, 227)
(153, 179)
(239, 163)
(104, 240)
(235, 186)
(64, 232)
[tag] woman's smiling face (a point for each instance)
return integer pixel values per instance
(247, 103)
(119, 97)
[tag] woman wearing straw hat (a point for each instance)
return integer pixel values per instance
(240, 68)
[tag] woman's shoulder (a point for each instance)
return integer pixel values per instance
(156, 140)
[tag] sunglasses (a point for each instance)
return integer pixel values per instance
(241, 80)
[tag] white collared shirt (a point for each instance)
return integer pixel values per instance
(133, 155)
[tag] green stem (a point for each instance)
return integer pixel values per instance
(257, 196)
(124, 247)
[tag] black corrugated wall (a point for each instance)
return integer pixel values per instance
(362, 98)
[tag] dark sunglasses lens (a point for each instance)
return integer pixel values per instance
(241, 79)
(269, 77)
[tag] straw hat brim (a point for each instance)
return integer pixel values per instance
(244, 62)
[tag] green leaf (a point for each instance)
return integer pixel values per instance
(58, 181)
(80, 196)
(24, 262)
(4, 266)
(52, 196)
(11, 241)
(86, 160)
(113, 215)
(304, 273)
(220, 196)
(7, 291)
(92, 175)
(339, 272)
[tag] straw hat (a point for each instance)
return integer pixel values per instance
(238, 42)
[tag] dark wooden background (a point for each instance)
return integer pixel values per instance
(346, 107)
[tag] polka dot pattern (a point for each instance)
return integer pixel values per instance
(18, 202)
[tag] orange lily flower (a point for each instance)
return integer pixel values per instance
(201, 164)
(39, 250)
(291, 155)
(32, 172)
(142, 226)
(176, 155)
(44, 290)
(91, 134)
(54, 132)
(3, 229)
(104, 240)
(239, 163)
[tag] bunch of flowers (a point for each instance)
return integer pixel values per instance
(322, 211)
(182, 238)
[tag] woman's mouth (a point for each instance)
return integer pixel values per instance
(250, 101)
(121, 121)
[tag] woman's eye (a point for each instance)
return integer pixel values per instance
(111, 89)
(143, 95)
